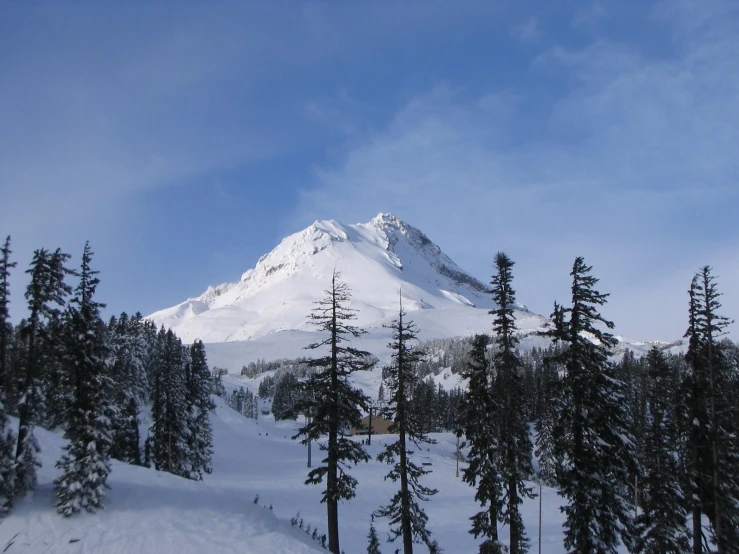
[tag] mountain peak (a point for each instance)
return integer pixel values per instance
(375, 259)
(386, 219)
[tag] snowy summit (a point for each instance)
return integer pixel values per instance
(377, 260)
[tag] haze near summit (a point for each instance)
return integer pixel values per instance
(186, 143)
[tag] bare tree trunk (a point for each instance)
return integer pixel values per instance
(405, 496)
(514, 525)
(332, 501)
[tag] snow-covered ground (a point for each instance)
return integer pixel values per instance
(148, 511)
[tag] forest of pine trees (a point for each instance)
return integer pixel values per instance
(644, 451)
(637, 446)
(63, 367)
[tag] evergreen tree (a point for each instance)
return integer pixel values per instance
(85, 464)
(407, 518)
(514, 442)
(549, 458)
(480, 425)
(592, 434)
(7, 436)
(201, 432)
(46, 295)
(170, 416)
(661, 523)
(5, 328)
(332, 403)
(373, 546)
(129, 355)
(695, 385)
(286, 397)
(713, 443)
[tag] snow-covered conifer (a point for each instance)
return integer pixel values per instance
(661, 522)
(592, 434)
(170, 416)
(200, 405)
(46, 295)
(85, 464)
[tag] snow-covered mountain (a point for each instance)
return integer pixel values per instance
(378, 260)
(265, 314)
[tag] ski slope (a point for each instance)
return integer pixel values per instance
(153, 512)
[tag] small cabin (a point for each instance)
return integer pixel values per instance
(380, 426)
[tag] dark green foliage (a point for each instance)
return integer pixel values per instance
(514, 443)
(480, 426)
(331, 402)
(170, 415)
(84, 465)
(713, 452)
(661, 522)
(373, 545)
(46, 295)
(7, 436)
(549, 406)
(407, 518)
(200, 405)
(434, 408)
(130, 353)
(287, 396)
(592, 433)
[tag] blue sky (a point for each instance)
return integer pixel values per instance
(186, 139)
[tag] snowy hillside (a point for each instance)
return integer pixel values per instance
(154, 512)
(264, 315)
(377, 260)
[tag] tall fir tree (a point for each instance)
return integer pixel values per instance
(5, 327)
(515, 441)
(661, 522)
(480, 413)
(695, 385)
(373, 544)
(332, 403)
(7, 436)
(715, 453)
(170, 415)
(85, 463)
(46, 295)
(200, 403)
(407, 518)
(128, 369)
(592, 434)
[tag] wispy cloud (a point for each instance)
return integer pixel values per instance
(634, 167)
(528, 31)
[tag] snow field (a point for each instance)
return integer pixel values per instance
(155, 512)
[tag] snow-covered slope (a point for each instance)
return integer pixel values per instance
(150, 512)
(264, 315)
(378, 260)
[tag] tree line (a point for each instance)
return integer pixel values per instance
(637, 448)
(63, 367)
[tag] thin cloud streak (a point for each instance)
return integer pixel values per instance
(634, 168)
